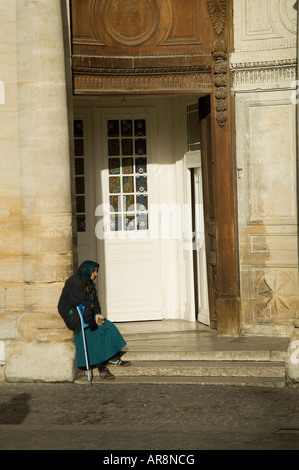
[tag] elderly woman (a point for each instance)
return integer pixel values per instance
(104, 341)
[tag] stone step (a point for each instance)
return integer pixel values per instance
(242, 373)
(222, 355)
(264, 382)
(201, 369)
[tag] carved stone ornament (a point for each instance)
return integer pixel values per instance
(264, 73)
(217, 12)
(276, 292)
(220, 56)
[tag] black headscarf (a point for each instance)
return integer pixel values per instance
(85, 270)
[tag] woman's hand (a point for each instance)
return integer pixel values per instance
(100, 320)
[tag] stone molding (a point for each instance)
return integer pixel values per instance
(264, 73)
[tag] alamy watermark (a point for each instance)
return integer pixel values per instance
(165, 222)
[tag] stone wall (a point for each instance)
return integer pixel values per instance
(264, 70)
(35, 201)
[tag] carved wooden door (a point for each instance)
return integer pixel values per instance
(209, 205)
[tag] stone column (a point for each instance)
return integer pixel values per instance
(11, 251)
(43, 349)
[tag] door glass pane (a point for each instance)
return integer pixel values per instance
(126, 128)
(139, 127)
(79, 147)
(80, 204)
(79, 164)
(115, 223)
(115, 204)
(142, 202)
(127, 165)
(127, 146)
(140, 147)
(81, 227)
(141, 165)
(114, 184)
(141, 184)
(128, 184)
(114, 166)
(80, 185)
(78, 128)
(113, 147)
(142, 222)
(129, 221)
(113, 128)
(127, 168)
(129, 203)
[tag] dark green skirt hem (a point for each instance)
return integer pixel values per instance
(102, 344)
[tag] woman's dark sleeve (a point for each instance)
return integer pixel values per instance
(74, 296)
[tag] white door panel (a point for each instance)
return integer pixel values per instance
(133, 287)
(129, 255)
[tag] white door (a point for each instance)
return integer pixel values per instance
(126, 187)
(202, 306)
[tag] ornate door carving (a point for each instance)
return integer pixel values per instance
(141, 46)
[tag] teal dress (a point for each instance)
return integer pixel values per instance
(103, 341)
(101, 344)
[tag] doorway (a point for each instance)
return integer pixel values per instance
(126, 189)
(131, 196)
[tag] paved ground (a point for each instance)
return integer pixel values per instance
(147, 417)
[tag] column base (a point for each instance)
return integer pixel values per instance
(41, 362)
